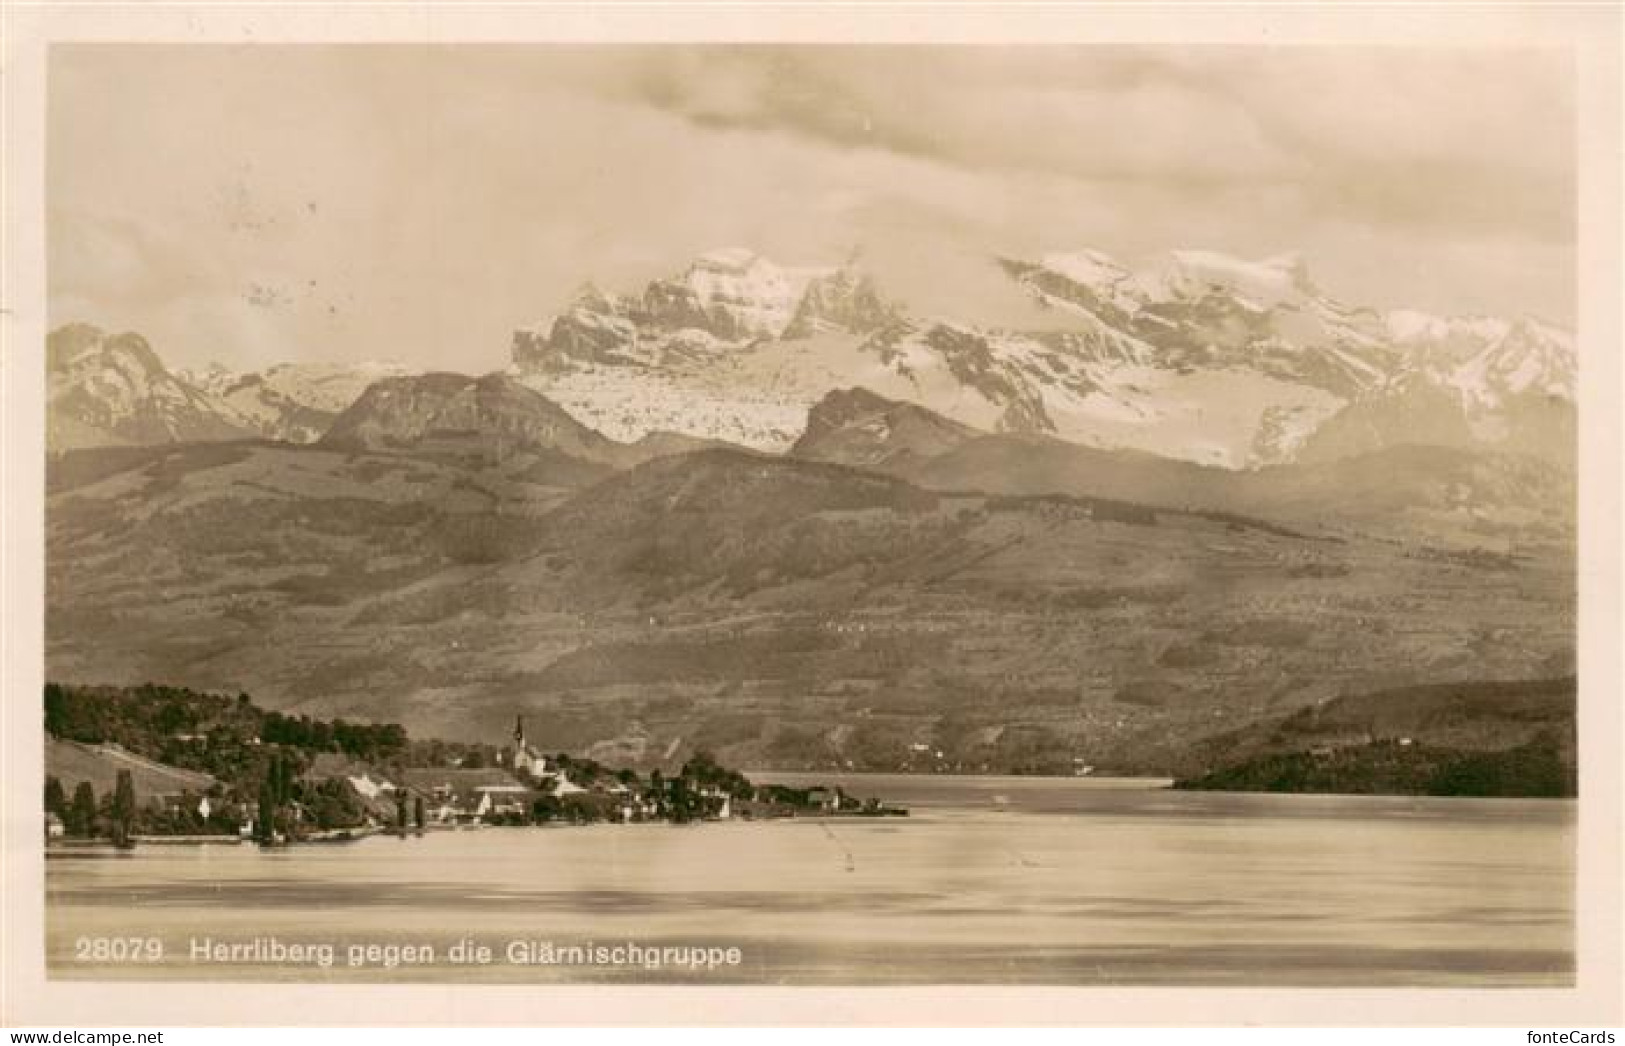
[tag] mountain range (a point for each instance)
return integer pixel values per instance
(1198, 357)
(829, 575)
(113, 390)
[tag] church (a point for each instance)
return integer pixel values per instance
(527, 760)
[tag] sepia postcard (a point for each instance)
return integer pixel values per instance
(812, 514)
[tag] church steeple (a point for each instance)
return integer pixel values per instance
(523, 759)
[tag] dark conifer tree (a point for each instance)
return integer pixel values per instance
(56, 800)
(123, 808)
(82, 819)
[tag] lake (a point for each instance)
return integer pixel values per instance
(989, 881)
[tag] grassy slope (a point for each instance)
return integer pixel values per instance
(71, 762)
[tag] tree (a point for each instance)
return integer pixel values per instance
(417, 812)
(684, 801)
(265, 822)
(400, 815)
(56, 715)
(280, 780)
(704, 770)
(123, 808)
(81, 819)
(265, 825)
(56, 800)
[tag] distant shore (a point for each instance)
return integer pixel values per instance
(795, 776)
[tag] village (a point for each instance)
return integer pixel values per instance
(334, 796)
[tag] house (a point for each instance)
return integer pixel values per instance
(563, 785)
(54, 828)
(379, 795)
(367, 788)
(458, 794)
(502, 799)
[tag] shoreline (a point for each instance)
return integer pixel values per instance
(70, 847)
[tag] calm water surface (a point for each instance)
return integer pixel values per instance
(991, 880)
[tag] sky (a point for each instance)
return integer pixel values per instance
(260, 204)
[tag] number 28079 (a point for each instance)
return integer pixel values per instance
(118, 949)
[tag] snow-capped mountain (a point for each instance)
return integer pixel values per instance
(112, 389)
(1464, 382)
(1403, 376)
(1203, 310)
(1199, 356)
(733, 349)
(844, 299)
(292, 401)
(1528, 359)
(726, 296)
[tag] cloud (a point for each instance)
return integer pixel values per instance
(1038, 110)
(1467, 139)
(420, 203)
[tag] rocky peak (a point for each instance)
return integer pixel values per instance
(732, 293)
(725, 297)
(1530, 358)
(494, 414)
(214, 377)
(83, 347)
(845, 300)
(1282, 280)
(113, 389)
(858, 427)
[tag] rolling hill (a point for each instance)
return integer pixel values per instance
(1484, 738)
(780, 611)
(1466, 496)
